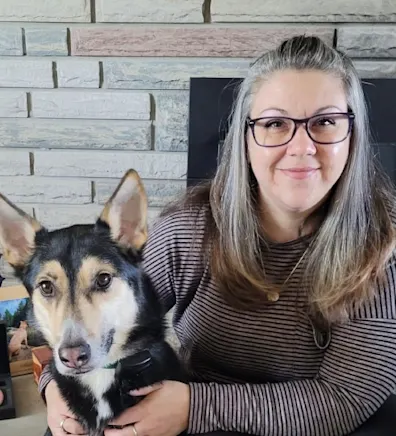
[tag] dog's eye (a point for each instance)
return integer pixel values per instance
(103, 281)
(46, 288)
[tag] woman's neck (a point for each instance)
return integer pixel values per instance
(281, 226)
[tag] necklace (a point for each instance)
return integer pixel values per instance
(322, 336)
(274, 296)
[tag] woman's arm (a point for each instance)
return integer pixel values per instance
(357, 375)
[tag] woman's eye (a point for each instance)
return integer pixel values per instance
(47, 288)
(274, 124)
(325, 122)
(103, 281)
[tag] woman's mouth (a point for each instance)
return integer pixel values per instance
(299, 173)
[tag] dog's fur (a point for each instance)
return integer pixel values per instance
(89, 292)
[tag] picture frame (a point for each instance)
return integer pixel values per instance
(22, 337)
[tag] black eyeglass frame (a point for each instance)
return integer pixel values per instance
(250, 122)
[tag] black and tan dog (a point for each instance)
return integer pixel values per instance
(93, 303)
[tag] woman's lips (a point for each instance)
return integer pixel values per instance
(299, 173)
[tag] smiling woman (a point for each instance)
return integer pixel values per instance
(295, 167)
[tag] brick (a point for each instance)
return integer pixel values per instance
(45, 11)
(11, 41)
(14, 163)
(168, 73)
(303, 11)
(149, 164)
(47, 41)
(29, 73)
(186, 41)
(160, 11)
(35, 189)
(172, 120)
(91, 104)
(368, 41)
(77, 73)
(376, 69)
(13, 103)
(159, 193)
(58, 216)
(82, 134)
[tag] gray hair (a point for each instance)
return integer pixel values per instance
(349, 249)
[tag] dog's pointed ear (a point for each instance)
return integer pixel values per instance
(17, 233)
(126, 212)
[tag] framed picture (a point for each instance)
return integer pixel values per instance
(21, 335)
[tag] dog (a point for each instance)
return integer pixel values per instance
(17, 339)
(93, 303)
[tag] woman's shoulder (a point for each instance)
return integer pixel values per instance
(179, 230)
(382, 303)
(176, 245)
(183, 222)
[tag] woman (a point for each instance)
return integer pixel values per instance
(282, 270)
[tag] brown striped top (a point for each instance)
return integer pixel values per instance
(270, 372)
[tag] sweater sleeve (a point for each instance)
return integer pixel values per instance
(172, 251)
(357, 375)
(44, 379)
(158, 262)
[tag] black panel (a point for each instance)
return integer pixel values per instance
(211, 101)
(210, 105)
(380, 96)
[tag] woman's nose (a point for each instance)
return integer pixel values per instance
(301, 144)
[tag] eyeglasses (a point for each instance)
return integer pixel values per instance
(329, 128)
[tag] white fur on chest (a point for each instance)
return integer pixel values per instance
(98, 382)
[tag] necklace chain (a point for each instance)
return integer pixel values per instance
(274, 296)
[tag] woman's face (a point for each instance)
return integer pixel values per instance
(297, 176)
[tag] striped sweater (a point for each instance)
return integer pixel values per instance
(270, 372)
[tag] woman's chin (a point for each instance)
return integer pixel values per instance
(299, 207)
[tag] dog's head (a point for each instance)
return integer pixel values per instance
(83, 280)
(23, 325)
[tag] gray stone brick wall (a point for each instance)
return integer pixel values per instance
(89, 89)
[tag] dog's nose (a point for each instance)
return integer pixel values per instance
(75, 356)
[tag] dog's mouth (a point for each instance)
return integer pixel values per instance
(74, 372)
(95, 356)
(82, 371)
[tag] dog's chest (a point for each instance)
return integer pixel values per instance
(99, 382)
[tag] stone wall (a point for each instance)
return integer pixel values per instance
(89, 89)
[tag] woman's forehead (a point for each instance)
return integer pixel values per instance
(299, 93)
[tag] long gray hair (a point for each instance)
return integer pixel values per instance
(356, 236)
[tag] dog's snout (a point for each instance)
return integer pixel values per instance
(75, 356)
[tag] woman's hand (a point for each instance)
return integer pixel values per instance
(163, 412)
(58, 412)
